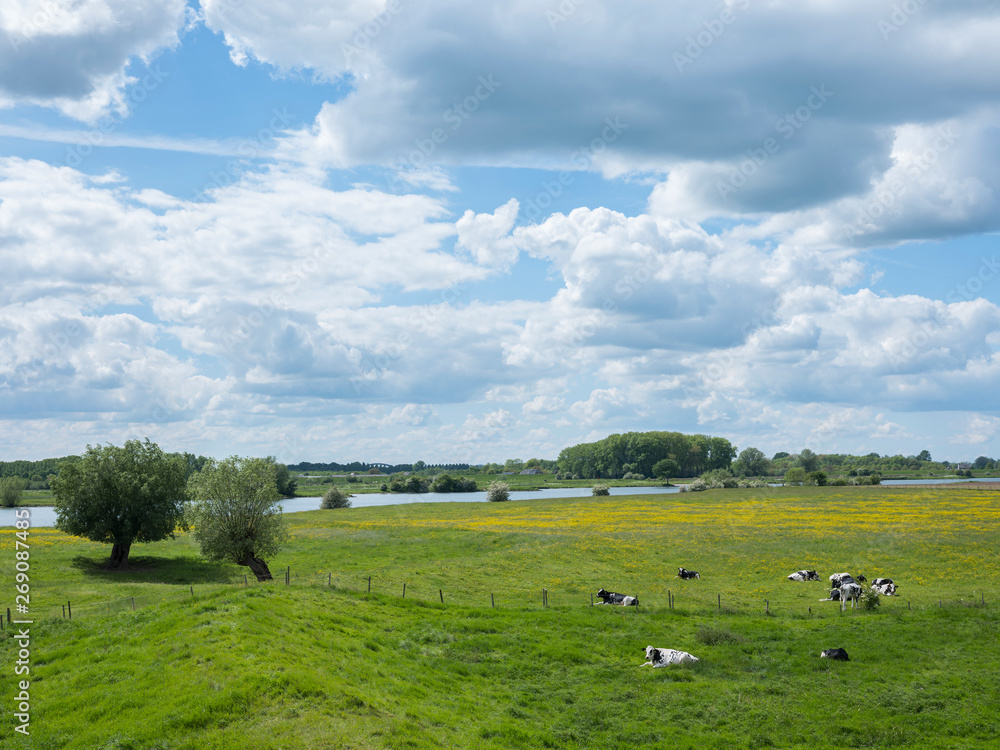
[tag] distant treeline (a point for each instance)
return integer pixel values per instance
(33, 470)
(362, 467)
(639, 452)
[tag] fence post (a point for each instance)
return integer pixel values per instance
(8, 615)
(245, 581)
(767, 607)
(591, 600)
(64, 611)
(369, 584)
(192, 592)
(288, 574)
(720, 602)
(404, 590)
(493, 603)
(441, 594)
(69, 607)
(133, 604)
(329, 578)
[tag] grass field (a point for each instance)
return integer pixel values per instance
(312, 665)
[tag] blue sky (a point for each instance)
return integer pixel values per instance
(448, 231)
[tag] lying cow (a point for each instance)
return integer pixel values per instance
(661, 657)
(884, 586)
(804, 575)
(610, 597)
(685, 574)
(835, 653)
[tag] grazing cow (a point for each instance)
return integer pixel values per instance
(661, 657)
(685, 574)
(610, 597)
(835, 653)
(884, 586)
(804, 575)
(846, 591)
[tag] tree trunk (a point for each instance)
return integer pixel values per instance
(258, 566)
(119, 556)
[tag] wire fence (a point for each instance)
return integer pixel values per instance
(685, 599)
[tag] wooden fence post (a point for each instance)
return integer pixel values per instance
(493, 603)
(329, 578)
(720, 602)
(288, 574)
(369, 584)
(192, 592)
(133, 604)
(246, 581)
(404, 590)
(767, 607)
(69, 608)
(64, 611)
(441, 594)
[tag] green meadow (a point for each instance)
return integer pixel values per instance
(204, 661)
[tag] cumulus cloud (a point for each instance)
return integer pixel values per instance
(75, 56)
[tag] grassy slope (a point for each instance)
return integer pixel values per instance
(310, 666)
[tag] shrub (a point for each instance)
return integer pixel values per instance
(577, 476)
(838, 482)
(600, 489)
(10, 491)
(869, 598)
(795, 475)
(634, 476)
(335, 498)
(698, 485)
(818, 478)
(753, 482)
(498, 492)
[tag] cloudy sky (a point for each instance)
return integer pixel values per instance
(456, 231)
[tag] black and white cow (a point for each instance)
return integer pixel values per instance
(610, 597)
(804, 575)
(685, 573)
(835, 653)
(661, 657)
(884, 586)
(839, 579)
(846, 591)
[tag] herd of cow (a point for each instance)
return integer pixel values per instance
(843, 587)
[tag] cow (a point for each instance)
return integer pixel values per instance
(804, 575)
(661, 657)
(685, 574)
(839, 579)
(610, 597)
(835, 653)
(884, 586)
(846, 591)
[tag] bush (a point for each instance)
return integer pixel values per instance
(634, 476)
(600, 490)
(10, 491)
(335, 498)
(577, 476)
(498, 492)
(795, 475)
(698, 485)
(818, 478)
(838, 482)
(869, 598)
(754, 482)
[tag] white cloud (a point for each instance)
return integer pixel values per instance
(74, 56)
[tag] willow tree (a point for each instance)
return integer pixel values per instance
(234, 512)
(121, 495)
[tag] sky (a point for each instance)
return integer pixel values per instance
(466, 232)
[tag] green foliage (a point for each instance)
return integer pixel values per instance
(234, 512)
(666, 468)
(10, 491)
(808, 460)
(498, 492)
(752, 463)
(817, 478)
(869, 599)
(121, 495)
(335, 498)
(448, 483)
(640, 452)
(600, 490)
(719, 478)
(795, 475)
(283, 481)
